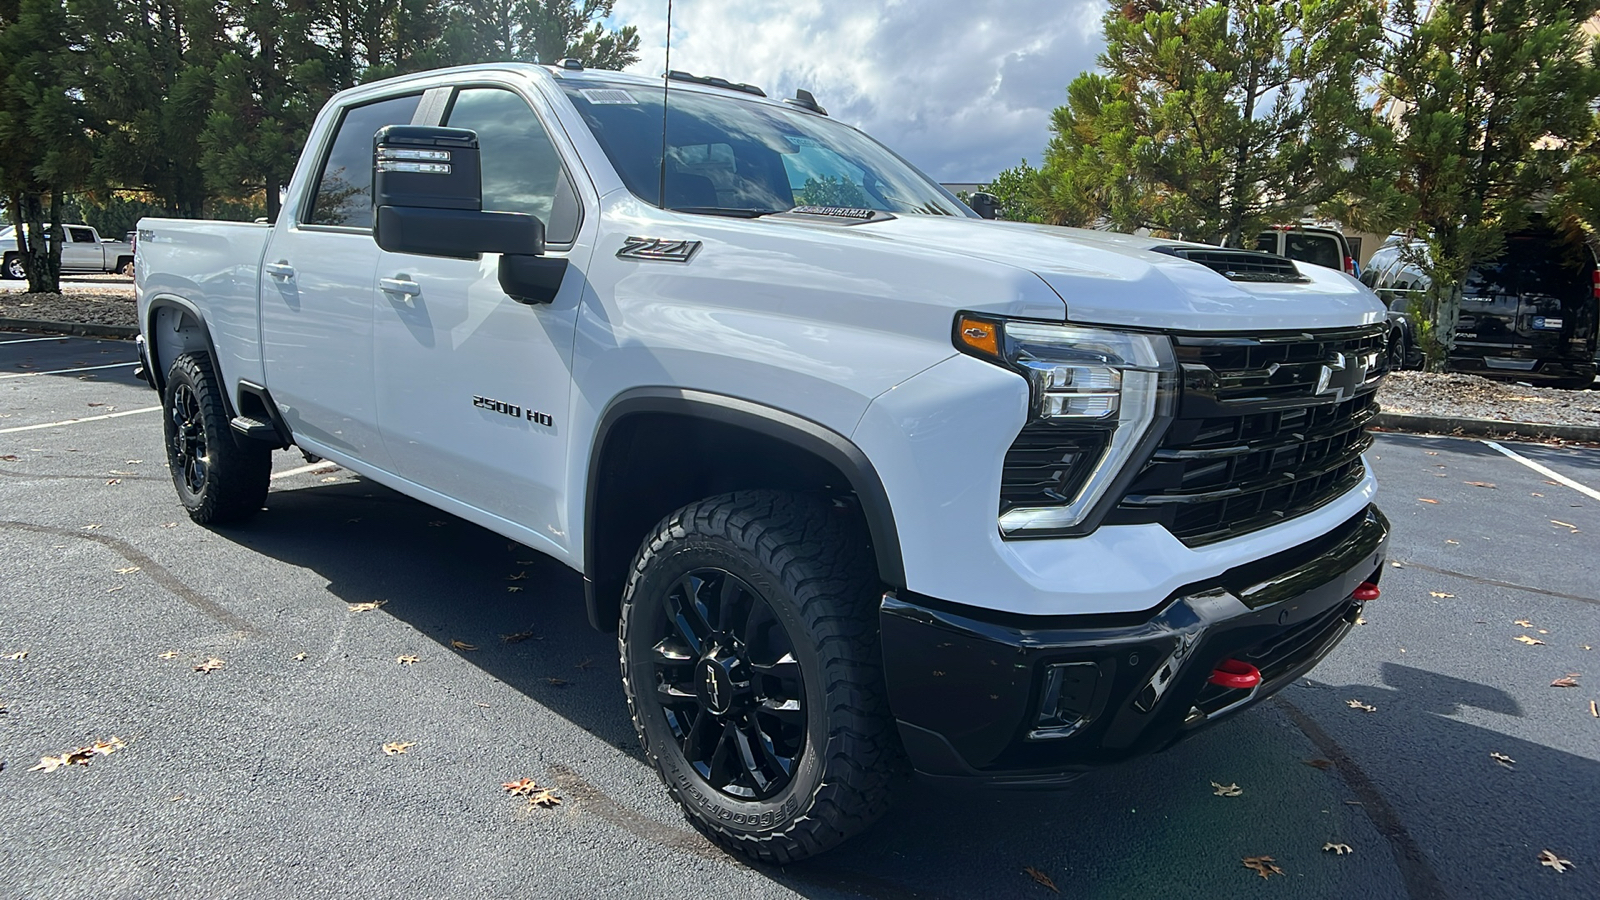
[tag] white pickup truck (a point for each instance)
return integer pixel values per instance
(84, 251)
(859, 479)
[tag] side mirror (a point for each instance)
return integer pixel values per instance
(985, 205)
(427, 190)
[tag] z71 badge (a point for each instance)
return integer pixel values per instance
(658, 249)
(514, 411)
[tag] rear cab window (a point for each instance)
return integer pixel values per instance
(1316, 249)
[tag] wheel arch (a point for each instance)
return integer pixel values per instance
(713, 444)
(172, 327)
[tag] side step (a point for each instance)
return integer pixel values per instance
(257, 430)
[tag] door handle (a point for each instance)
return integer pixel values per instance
(279, 269)
(400, 285)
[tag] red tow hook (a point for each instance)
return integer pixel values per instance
(1236, 674)
(1367, 591)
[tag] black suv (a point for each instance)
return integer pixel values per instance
(1529, 315)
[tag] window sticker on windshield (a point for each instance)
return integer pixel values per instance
(801, 142)
(608, 97)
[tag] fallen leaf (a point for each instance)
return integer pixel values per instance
(299, 657)
(1441, 595)
(1503, 759)
(1547, 858)
(1322, 764)
(367, 607)
(128, 571)
(132, 462)
(544, 799)
(10, 457)
(1431, 452)
(1556, 483)
(1227, 790)
(91, 527)
(170, 654)
(522, 787)
(113, 481)
(1041, 878)
(1570, 680)
(517, 638)
(330, 479)
(406, 659)
(1562, 524)
(1482, 484)
(1536, 493)
(170, 525)
(395, 748)
(1448, 541)
(462, 645)
(210, 665)
(1337, 849)
(557, 682)
(517, 577)
(106, 748)
(1594, 709)
(1523, 622)
(1262, 865)
(1426, 500)
(1530, 641)
(114, 590)
(513, 589)
(1357, 704)
(19, 655)
(1360, 619)
(585, 664)
(49, 764)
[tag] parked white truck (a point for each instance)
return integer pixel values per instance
(857, 478)
(84, 251)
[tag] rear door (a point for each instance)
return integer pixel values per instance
(316, 291)
(1318, 248)
(473, 387)
(82, 252)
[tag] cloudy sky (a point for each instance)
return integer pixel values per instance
(962, 88)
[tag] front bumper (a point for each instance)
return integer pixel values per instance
(1033, 700)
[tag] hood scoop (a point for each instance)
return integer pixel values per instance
(1240, 265)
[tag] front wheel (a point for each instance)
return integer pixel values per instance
(12, 268)
(219, 478)
(751, 664)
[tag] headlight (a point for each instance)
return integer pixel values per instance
(1094, 396)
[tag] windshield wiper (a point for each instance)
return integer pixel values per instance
(729, 211)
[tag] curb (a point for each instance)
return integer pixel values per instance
(1454, 425)
(74, 328)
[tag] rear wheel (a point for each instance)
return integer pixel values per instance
(220, 478)
(751, 665)
(12, 268)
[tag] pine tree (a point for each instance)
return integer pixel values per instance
(1211, 120)
(1492, 100)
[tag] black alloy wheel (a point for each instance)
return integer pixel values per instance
(189, 452)
(729, 685)
(753, 671)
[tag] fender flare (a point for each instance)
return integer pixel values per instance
(812, 437)
(158, 376)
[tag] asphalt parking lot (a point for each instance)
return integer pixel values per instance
(267, 778)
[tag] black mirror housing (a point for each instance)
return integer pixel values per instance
(427, 188)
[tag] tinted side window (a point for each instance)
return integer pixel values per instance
(1317, 249)
(521, 171)
(1267, 242)
(344, 192)
(81, 235)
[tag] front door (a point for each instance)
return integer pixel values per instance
(82, 251)
(316, 294)
(473, 387)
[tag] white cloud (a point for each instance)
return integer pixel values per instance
(961, 89)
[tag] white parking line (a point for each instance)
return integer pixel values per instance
(34, 340)
(68, 371)
(1583, 489)
(314, 467)
(115, 415)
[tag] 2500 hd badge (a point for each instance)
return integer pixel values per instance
(514, 411)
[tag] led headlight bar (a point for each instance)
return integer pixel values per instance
(1079, 378)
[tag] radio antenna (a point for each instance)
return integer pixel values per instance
(666, 85)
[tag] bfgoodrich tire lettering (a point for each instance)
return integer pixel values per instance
(219, 479)
(801, 657)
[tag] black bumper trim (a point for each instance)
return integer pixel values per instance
(965, 685)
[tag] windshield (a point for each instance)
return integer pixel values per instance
(735, 156)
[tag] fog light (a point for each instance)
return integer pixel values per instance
(1066, 701)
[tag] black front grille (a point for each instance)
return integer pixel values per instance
(1240, 265)
(1268, 428)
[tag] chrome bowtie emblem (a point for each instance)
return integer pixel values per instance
(1344, 374)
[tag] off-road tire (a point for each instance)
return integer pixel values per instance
(232, 483)
(11, 267)
(808, 559)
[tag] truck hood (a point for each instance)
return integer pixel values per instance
(1116, 279)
